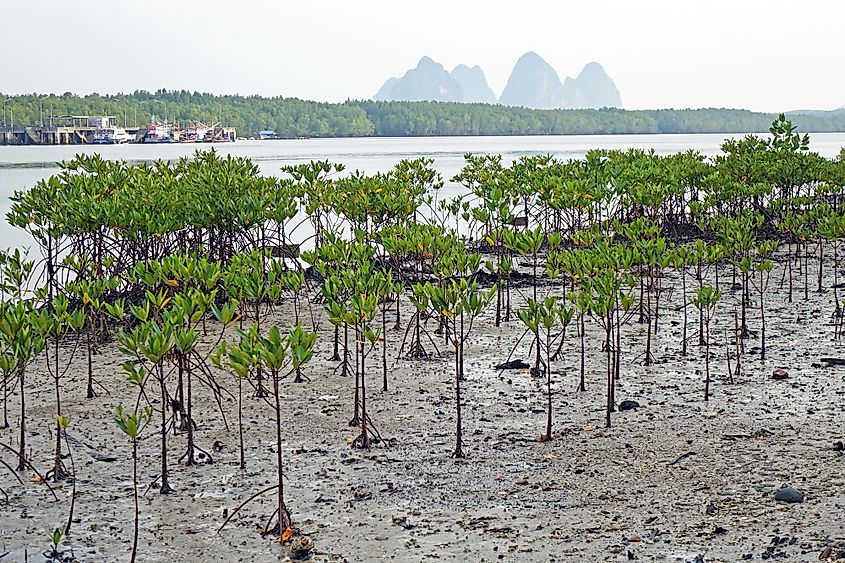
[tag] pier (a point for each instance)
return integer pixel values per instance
(83, 130)
(65, 130)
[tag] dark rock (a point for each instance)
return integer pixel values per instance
(301, 547)
(513, 364)
(628, 405)
(779, 374)
(789, 495)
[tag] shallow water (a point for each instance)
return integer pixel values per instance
(21, 167)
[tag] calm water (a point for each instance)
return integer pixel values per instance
(21, 167)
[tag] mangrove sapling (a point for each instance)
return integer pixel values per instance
(246, 278)
(528, 243)
(682, 258)
(56, 323)
(132, 425)
(184, 345)
(763, 269)
(242, 360)
(54, 554)
(705, 300)
(547, 314)
(22, 337)
(653, 257)
(583, 302)
(273, 350)
(189, 309)
(301, 344)
(92, 296)
(831, 227)
(363, 310)
(606, 287)
(151, 342)
(461, 302)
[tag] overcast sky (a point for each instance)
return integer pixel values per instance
(755, 54)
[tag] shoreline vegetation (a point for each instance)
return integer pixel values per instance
(306, 353)
(295, 118)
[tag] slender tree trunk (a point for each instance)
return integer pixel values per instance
(548, 387)
(241, 423)
(762, 320)
(789, 265)
(582, 385)
(459, 452)
(821, 263)
(58, 473)
(135, 497)
(609, 372)
(365, 437)
(22, 450)
(336, 351)
(684, 308)
(190, 417)
(165, 485)
(707, 363)
(90, 391)
(284, 514)
(648, 326)
(384, 348)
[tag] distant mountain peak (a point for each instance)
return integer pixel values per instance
(473, 84)
(533, 83)
(430, 81)
(593, 88)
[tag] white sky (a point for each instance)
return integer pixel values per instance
(761, 55)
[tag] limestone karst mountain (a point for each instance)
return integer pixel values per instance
(473, 84)
(533, 83)
(429, 81)
(593, 88)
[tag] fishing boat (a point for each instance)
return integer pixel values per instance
(195, 132)
(160, 133)
(217, 134)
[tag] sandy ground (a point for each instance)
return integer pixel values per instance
(590, 495)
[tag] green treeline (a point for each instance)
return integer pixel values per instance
(291, 117)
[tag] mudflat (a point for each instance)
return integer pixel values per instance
(675, 479)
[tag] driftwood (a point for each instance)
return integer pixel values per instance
(97, 455)
(833, 361)
(284, 251)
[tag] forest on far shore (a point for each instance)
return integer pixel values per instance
(293, 118)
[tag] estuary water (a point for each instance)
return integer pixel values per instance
(22, 167)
